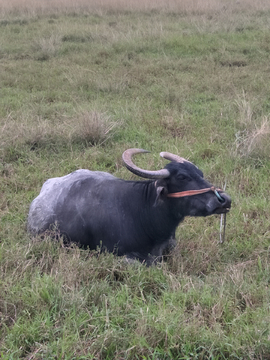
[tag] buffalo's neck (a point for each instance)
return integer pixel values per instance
(157, 217)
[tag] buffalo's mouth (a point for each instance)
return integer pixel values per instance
(222, 210)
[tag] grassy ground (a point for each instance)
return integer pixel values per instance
(79, 84)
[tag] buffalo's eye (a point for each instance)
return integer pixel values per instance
(182, 177)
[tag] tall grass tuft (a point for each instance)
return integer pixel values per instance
(47, 47)
(253, 140)
(88, 128)
(93, 127)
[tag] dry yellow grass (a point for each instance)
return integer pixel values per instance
(32, 7)
(91, 127)
(254, 136)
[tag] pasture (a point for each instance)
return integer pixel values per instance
(80, 82)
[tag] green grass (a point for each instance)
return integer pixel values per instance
(77, 88)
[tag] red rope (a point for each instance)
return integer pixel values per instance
(191, 192)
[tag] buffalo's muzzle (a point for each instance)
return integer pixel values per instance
(225, 203)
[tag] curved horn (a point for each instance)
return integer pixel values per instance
(127, 159)
(173, 157)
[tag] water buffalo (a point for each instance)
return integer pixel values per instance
(133, 218)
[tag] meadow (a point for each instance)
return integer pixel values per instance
(80, 82)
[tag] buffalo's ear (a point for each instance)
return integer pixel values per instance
(161, 194)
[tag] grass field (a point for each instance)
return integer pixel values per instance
(82, 81)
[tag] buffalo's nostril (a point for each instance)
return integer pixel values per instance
(227, 200)
(220, 198)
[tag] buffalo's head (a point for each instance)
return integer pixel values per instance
(180, 179)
